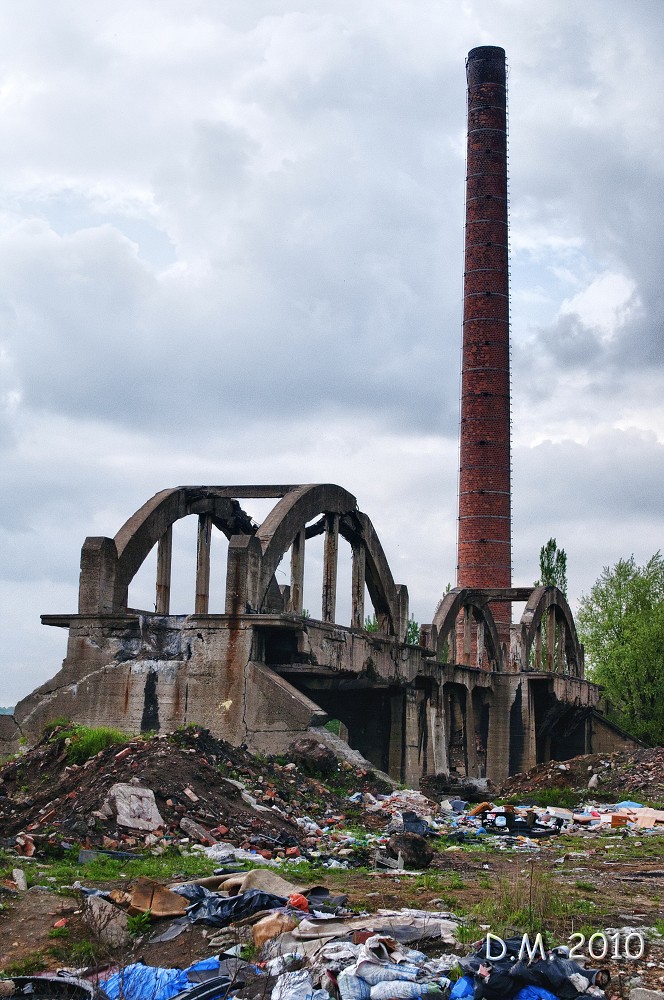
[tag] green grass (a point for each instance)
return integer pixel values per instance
(28, 966)
(585, 886)
(86, 741)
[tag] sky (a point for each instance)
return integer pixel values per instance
(231, 251)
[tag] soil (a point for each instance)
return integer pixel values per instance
(624, 774)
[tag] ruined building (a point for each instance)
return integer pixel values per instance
(478, 696)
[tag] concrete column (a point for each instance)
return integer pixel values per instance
(243, 574)
(359, 572)
(550, 638)
(528, 717)
(411, 769)
(438, 736)
(96, 592)
(498, 742)
(467, 634)
(480, 645)
(330, 566)
(396, 748)
(164, 555)
(469, 734)
(203, 564)
(560, 652)
(297, 573)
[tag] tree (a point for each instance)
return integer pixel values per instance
(621, 624)
(553, 567)
(553, 573)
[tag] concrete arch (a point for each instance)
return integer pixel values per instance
(252, 562)
(475, 605)
(109, 565)
(549, 604)
(286, 519)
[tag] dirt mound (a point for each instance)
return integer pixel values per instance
(624, 774)
(194, 777)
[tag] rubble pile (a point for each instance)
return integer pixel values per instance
(612, 776)
(185, 786)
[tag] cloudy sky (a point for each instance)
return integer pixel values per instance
(231, 251)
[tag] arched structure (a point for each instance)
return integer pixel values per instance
(262, 671)
(470, 606)
(109, 565)
(548, 636)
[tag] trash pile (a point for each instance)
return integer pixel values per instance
(545, 976)
(612, 776)
(180, 789)
(307, 943)
(308, 946)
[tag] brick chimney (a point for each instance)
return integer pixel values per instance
(484, 551)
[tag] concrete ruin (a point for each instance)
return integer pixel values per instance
(262, 672)
(475, 697)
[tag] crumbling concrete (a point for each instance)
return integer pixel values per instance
(263, 673)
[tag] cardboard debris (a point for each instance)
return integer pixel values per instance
(146, 894)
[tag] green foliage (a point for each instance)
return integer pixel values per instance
(553, 567)
(621, 624)
(413, 632)
(333, 726)
(86, 742)
(139, 924)
(412, 629)
(27, 966)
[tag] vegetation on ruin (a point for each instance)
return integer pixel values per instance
(553, 567)
(84, 742)
(412, 629)
(621, 624)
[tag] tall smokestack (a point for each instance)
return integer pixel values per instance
(484, 550)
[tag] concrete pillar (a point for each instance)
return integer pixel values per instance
(164, 556)
(469, 734)
(528, 718)
(358, 585)
(203, 564)
(560, 652)
(498, 742)
(438, 735)
(480, 644)
(96, 592)
(550, 638)
(330, 567)
(467, 634)
(396, 747)
(411, 766)
(243, 574)
(297, 573)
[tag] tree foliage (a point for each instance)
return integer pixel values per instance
(553, 567)
(621, 624)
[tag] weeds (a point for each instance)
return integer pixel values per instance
(86, 742)
(27, 966)
(139, 924)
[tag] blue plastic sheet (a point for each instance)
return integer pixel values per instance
(147, 982)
